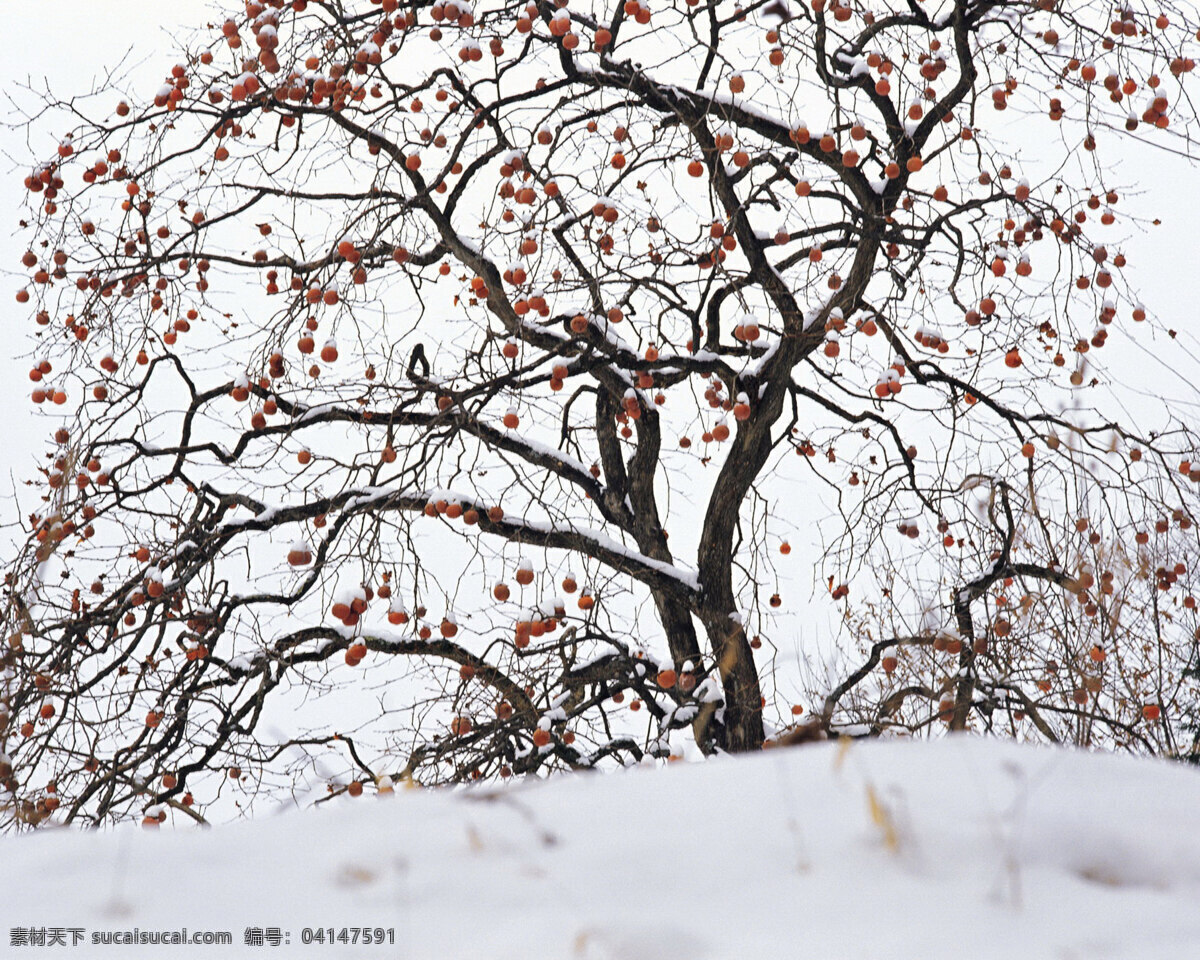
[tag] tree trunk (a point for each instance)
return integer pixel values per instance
(742, 727)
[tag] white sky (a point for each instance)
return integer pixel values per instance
(37, 53)
(103, 31)
(1162, 261)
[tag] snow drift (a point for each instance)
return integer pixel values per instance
(956, 848)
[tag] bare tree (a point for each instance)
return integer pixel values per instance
(379, 333)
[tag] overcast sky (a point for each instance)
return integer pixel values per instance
(104, 32)
(38, 52)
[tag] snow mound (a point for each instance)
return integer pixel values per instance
(957, 848)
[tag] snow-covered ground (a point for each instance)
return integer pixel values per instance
(960, 848)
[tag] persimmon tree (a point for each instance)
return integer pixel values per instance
(444, 392)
